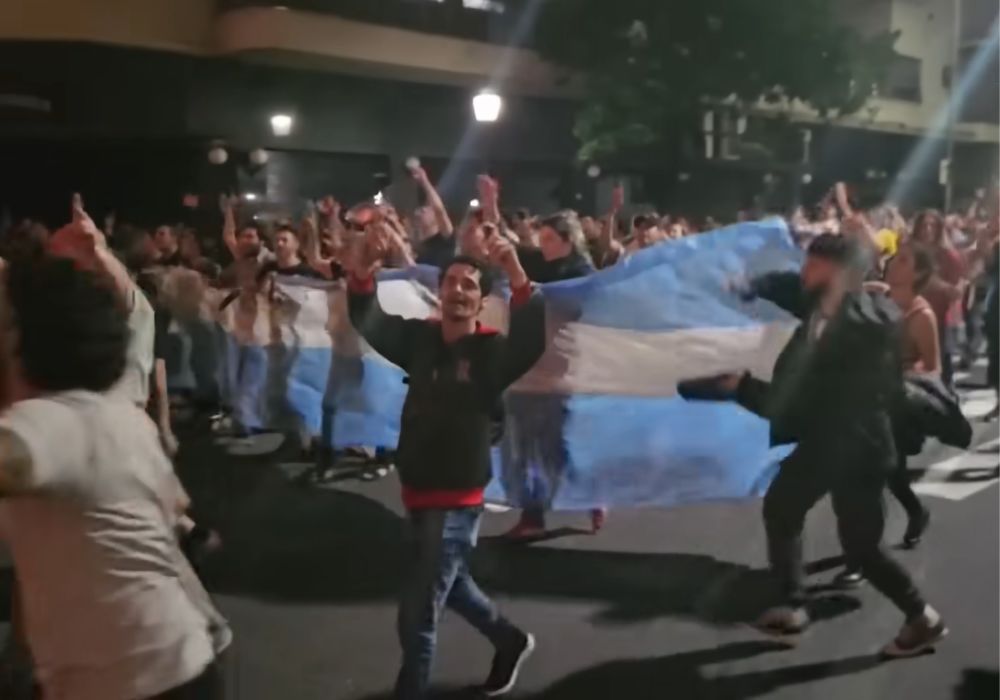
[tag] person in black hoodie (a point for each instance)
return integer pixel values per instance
(832, 390)
(457, 370)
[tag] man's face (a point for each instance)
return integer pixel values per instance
(552, 244)
(165, 240)
(818, 273)
(248, 242)
(286, 245)
(461, 297)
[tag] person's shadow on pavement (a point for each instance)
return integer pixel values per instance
(286, 542)
(680, 676)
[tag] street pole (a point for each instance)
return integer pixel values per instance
(953, 104)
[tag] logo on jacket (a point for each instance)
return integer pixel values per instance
(462, 371)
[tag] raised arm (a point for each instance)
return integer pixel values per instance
(840, 196)
(391, 336)
(434, 201)
(525, 341)
(611, 249)
(229, 225)
(309, 241)
(489, 198)
(83, 234)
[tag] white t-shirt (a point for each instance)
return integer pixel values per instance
(112, 609)
(134, 382)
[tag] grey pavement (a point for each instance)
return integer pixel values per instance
(654, 606)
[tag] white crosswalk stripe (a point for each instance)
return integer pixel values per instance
(958, 476)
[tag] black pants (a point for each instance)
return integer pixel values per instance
(856, 490)
(902, 489)
(945, 337)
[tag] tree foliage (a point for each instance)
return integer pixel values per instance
(650, 65)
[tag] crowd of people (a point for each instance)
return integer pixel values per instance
(881, 297)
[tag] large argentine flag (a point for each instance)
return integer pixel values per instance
(598, 420)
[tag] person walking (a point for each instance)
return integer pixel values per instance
(906, 275)
(457, 370)
(831, 392)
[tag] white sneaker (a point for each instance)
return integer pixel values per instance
(917, 636)
(783, 620)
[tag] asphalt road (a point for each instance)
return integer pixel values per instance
(654, 606)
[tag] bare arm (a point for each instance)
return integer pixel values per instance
(162, 399)
(489, 198)
(229, 226)
(609, 245)
(309, 239)
(840, 194)
(925, 335)
(105, 259)
(434, 202)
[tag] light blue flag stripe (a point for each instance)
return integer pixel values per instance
(567, 450)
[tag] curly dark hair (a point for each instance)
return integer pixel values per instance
(485, 275)
(71, 333)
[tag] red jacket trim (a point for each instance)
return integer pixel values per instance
(359, 285)
(520, 295)
(415, 499)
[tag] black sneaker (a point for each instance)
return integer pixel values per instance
(916, 528)
(506, 665)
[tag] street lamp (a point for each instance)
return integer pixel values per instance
(486, 106)
(281, 124)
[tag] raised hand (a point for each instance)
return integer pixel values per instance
(502, 253)
(83, 225)
(419, 174)
(328, 206)
(373, 249)
(617, 197)
(227, 203)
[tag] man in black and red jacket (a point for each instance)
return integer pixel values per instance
(457, 371)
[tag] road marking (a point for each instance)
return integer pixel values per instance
(960, 476)
(976, 403)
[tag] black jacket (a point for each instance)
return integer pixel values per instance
(929, 409)
(835, 394)
(450, 408)
(541, 270)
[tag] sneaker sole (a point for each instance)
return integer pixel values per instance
(894, 652)
(848, 585)
(529, 648)
(789, 638)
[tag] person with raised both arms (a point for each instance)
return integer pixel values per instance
(457, 371)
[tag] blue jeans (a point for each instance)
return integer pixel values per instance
(441, 542)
